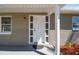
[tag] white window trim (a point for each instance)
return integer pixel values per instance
(6, 33)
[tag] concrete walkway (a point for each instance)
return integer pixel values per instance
(43, 51)
(24, 50)
(46, 51)
(18, 53)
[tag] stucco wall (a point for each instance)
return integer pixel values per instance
(75, 38)
(20, 29)
(66, 27)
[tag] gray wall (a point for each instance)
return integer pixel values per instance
(66, 27)
(20, 29)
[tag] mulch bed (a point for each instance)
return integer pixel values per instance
(73, 50)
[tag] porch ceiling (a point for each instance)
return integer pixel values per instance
(29, 8)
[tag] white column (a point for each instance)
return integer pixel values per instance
(57, 28)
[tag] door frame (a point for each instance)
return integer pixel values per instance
(48, 25)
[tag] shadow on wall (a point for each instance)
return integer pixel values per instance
(73, 37)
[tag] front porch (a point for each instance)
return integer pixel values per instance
(26, 50)
(28, 30)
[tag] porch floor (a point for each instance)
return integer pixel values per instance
(24, 50)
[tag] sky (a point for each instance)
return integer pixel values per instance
(71, 6)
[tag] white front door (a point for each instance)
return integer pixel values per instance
(37, 29)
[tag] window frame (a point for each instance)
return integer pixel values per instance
(74, 29)
(6, 33)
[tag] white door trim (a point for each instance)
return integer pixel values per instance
(29, 25)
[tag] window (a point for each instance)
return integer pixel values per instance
(31, 32)
(31, 29)
(46, 28)
(31, 18)
(46, 32)
(46, 18)
(75, 23)
(31, 39)
(5, 25)
(31, 25)
(47, 25)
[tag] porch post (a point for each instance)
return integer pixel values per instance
(57, 28)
